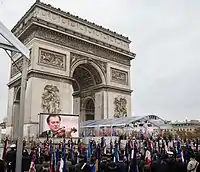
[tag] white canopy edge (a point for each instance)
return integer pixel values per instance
(11, 42)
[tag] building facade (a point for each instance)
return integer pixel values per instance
(75, 67)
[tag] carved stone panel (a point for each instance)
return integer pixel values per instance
(120, 107)
(52, 59)
(119, 76)
(16, 67)
(51, 99)
(74, 58)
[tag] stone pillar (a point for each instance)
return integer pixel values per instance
(15, 118)
(99, 105)
(76, 105)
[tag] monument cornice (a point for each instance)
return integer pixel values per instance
(102, 87)
(58, 11)
(22, 33)
(49, 35)
(42, 75)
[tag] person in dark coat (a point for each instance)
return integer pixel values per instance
(103, 163)
(179, 165)
(11, 158)
(2, 166)
(82, 166)
(155, 163)
(26, 161)
(121, 166)
(111, 166)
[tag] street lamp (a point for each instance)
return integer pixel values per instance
(9, 42)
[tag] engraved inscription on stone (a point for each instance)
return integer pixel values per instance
(52, 59)
(51, 99)
(119, 76)
(120, 107)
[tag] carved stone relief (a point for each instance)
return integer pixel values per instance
(120, 107)
(17, 67)
(51, 99)
(75, 57)
(119, 76)
(80, 45)
(52, 59)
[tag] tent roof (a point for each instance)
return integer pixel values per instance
(118, 121)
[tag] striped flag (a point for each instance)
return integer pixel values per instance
(32, 166)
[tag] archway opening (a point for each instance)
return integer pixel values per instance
(89, 110)
(86, 78)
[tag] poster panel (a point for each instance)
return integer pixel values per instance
(58, 125)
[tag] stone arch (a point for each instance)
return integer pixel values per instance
(87, 76)
(89, 108)
(90, 63)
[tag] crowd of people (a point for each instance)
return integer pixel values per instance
(146, 155)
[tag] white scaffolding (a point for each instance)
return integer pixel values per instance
(9, 42)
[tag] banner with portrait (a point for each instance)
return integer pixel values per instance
(58, 125)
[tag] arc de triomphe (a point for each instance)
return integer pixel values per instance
(84, 66)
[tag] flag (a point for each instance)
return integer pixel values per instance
(178, 147)
(116, 152)
(148, 158)
(111, 146)
(57, 157)
(134, 167)
(64, 158)
(32, 166)
(89, 151)
(5, 149)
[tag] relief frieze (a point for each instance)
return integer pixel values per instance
(119, 76)
(120, 109)
(52, 59)
(80, 45)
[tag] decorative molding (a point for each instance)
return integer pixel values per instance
(42, 75)
(119, 76)
(51, 99)
(76, 57)
(107, 88)
(102, 65)
(16, 66)
(52, 59)
(71, 22)
(77, 44)
(120, 109)
(80, 45)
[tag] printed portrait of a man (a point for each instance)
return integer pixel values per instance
(55, 127)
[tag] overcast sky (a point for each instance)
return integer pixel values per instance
(165, 36)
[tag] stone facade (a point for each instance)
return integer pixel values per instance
(72, 61)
